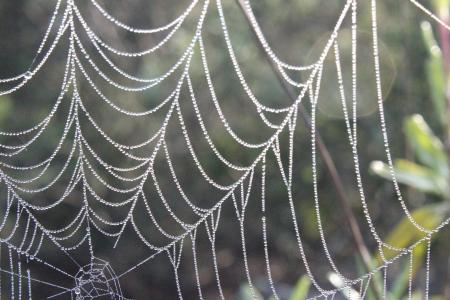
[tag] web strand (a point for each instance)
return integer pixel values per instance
(111, 194)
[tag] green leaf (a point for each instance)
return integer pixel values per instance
(414, 175)
(419, 295)
(245, 293)
(402, 281)
(338, 282)
(301, 288)
(435, 72)
(427, 147)
(441, 8)
(361, 268)
(405, 233)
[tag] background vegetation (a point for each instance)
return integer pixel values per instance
(415, 65)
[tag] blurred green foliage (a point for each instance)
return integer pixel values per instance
(295, 30)
(429, 171)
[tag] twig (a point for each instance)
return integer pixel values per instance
(445, 45)
(445, 48)
(328, 160)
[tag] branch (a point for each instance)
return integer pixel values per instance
(328, 160)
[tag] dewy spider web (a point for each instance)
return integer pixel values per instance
(24, 232)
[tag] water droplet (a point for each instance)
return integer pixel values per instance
(28, 75)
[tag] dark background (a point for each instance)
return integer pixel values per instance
(297, 31)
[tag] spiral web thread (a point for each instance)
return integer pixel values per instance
(22, 242)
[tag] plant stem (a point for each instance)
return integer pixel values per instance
(445, 47)
(327, 159)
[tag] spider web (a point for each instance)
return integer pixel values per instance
(126, 197)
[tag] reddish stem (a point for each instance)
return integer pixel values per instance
(445, 47)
